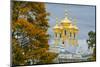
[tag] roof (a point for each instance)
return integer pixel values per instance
(56, 26)
(73, 27)
(65, 20)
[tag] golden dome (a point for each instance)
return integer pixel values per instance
(61, 27)
(65, 21)
(73, 28)
(56, 27)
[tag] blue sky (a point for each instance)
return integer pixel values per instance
(85, 17)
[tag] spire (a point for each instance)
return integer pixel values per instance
(75, 24)
(56, 20)
(56, 26)
(75, 21)
(66, 13)
(66, 19)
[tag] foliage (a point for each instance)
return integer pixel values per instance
(91, 39)
(29, 34)
(92, 43)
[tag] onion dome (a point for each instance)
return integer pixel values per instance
(73, 28)
(57, 28)
(65, 21)
(76, 28)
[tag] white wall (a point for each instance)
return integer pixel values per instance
(5, 33)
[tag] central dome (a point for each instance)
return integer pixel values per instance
(65, 21)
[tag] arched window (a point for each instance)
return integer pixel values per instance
(60, 35)
(70, 34)
(56, 34)
(65, 32)
(63, 42)
(74, 36)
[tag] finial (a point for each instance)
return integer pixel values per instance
(66, 13)
(56, 20)
(75, 21)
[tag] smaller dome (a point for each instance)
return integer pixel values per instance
(73, 27)
(56, 26)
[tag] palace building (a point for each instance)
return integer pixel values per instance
(65, 33)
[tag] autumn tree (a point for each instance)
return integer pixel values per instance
(29, 34)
